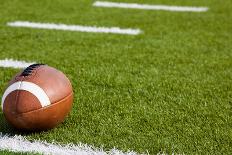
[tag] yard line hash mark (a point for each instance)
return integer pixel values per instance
(94, 29)
(20, 144)
(150, 7)
(10, 63)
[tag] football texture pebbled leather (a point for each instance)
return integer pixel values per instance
(38, 98)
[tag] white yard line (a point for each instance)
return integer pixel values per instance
(149, 7)
(80, 28)
(14, 63)
(20, 144)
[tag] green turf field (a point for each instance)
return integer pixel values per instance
(168, 89)
(15, 153)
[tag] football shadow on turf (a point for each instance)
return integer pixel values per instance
(7, 129)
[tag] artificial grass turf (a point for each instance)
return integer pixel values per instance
(16, 153)
(168, 89)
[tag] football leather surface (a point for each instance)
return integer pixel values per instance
(37, 98)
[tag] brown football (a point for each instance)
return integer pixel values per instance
(38, 98)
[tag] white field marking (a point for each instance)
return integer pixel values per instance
(150, 7)
(14, 63)
(30, 87)
(80, 28)
(20, 144)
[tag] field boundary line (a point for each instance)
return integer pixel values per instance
(81, 28)
(19, 143)
(10, 63)
(149, 7)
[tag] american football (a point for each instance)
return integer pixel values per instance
(38, 98)
(147, 77)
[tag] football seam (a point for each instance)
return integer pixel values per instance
(19, 115)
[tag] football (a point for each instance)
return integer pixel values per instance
(37, 98)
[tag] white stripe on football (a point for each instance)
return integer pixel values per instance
(30, 87)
